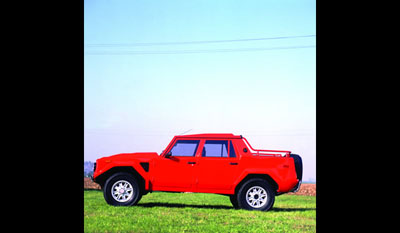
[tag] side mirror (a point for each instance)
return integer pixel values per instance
(168, 154)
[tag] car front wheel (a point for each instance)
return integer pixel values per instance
(121, 189)
(234, 201)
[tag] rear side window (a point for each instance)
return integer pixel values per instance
(215, 148)
(185, 148)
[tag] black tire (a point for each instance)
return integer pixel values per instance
(130, 193)
(260, 195)
(234, 201)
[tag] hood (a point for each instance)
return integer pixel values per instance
(129, 156)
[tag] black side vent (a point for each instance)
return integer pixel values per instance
(145, 166)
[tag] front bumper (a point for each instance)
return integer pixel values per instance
(94, 170)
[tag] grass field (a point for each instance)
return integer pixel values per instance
(197, 212)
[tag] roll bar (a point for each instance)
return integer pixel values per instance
(258, 152)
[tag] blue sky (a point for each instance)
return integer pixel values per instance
(138, 102)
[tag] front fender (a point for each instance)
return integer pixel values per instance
(108, 165)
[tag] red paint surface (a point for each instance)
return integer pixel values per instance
(206, 174)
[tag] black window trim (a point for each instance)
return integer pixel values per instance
(231, 146)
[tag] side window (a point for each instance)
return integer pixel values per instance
(185, 148)
(215, 148)
(231, 150)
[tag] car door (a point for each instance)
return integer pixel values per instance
(217, 166)
(176, 172)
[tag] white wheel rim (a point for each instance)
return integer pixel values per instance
(256, 197)
(122, 191)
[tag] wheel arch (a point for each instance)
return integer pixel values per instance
(101, 179)
(266, 177)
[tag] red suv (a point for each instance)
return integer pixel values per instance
(203, 163)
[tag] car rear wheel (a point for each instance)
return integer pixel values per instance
(121, 189)
(256, 194)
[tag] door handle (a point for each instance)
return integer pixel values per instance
(233, 163)
(191, 162)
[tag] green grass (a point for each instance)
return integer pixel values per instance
(197, 212)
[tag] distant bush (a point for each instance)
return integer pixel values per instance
(88, 168)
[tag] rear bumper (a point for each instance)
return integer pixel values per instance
(298, 163)
(297, 187)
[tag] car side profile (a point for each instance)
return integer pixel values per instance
(203, 163)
